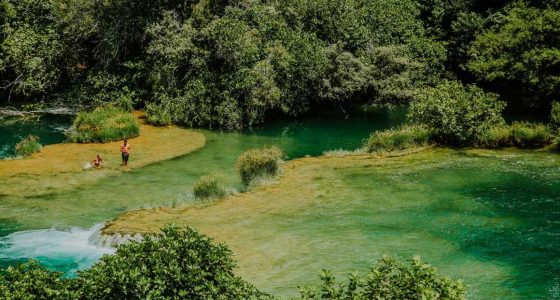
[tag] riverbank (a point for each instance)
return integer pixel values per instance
(466, 211)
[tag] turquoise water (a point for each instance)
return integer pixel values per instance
(167, 183)
(491, 218)
(49, 128)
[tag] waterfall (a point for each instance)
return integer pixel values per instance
(66, 250)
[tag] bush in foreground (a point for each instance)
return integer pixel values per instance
(28, 146)
(33, 281)
(104, 124)
(209, 187)
(398, 139)
(389, 279)
(258, 163)
(456, 114)
(518, 134)
(178, 263)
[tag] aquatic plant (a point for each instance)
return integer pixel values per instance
(104, 124)
(209, 187)
(407, 136)
(28, 146)
(456, 114)
(258, 164)
(389, 279)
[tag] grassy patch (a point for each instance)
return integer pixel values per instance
(518, 134)
(209, 187)
(398, 139)
(104, 124)
(28, 146)
(258, 164)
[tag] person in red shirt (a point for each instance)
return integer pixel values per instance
(125, 152)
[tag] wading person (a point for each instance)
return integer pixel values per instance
(96, 163)
(125, 151)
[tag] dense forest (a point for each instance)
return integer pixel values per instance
(234, 63)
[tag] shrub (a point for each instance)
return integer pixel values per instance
(33, 281)
(28, 146)
(157, 115)
(178, 263)
(209, 187)
(456, 114)
(555, 115)
(526, 135)
(104, 124)
(495, 137)
(398, 139)
(389, 279)
(518, 134)
(258, 163)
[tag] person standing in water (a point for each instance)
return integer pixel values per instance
(125, 151)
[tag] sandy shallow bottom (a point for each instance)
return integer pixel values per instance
(468, 212)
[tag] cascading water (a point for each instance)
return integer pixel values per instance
(66, 250)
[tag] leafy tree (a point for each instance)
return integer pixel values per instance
(522, 47)
(456, 114)
(30, 48)
(389, 279)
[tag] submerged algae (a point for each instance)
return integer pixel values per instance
(468, 212)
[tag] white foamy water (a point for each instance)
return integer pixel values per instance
(69, 250)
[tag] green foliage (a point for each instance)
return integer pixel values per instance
(398, 139)
(518, 134)
(526, 135)
(456, 114)
(389, 279)
(104, 124)
(156, 115)
(495, 137)
(28, 146)
(555, 115)
(209, 187)
(178, 263)
(256, 164)
(522, 48)
(30, 47)
(30, 281)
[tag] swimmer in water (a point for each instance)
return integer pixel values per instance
(97, 161)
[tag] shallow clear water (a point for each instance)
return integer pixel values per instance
(491, 218)
(167, 183)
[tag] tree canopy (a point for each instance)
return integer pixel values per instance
(230, 64)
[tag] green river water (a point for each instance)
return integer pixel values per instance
(491, 218)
